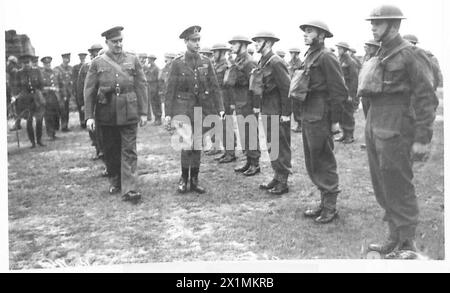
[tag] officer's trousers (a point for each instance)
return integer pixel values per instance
(97, 139)
(80, 114)
(347, 121)
(155, 104)
(281, 164)
(319, 156)
(121, 155)
(389, 138)
(64, 112)
(249, 141)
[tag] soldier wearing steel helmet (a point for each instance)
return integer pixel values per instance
(163, 75)
(192, 83)
(206, 52)
(152, 75)
(350, 71)
(352, 54)
(221, 65)
(428, 59)
(294, 64)
(116, 100)
(247, 105)
(321, 111)
(275, 104)
(399, 124)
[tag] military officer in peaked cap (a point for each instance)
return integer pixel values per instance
(115, 89)
(65, 71)
(78, 96)
(191, 83)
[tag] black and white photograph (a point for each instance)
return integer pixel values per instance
(214, 136)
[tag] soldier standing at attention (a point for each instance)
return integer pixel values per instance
(275, 104)
(192, 83)
(65, 70)
(96, 135)
(399, 125)
(352, 54)
(29, 100)
(164, 74)
(294, 64)
(350, 71)
(321, 111)
(52, 85)
(247, 105)
(220, 66)
(152, 75)
(115, 89)
(79, 99)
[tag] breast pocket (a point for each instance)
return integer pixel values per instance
(393, 72)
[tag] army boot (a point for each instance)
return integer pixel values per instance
(228, 158)
(270, 185)
(244, 168)
(253, 169)
(407, 235)
(348, 137)
(194, 181)
(281, 187)
(182, 184)
(388, 245)
(314, 212)
(329, 212)
(343, 136)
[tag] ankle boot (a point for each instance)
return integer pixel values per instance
(194, 181)
(182, 184)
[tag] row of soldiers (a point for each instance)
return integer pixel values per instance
(397, 82)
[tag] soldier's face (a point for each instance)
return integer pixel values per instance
(341, 51)
(66, 60)
(115, 46)
(193, 44)
(235, 48)
(151, 61)
(293, 55)
(27, 64)
(310, 35)
(378, 29)
(47, 65)
(258, 44)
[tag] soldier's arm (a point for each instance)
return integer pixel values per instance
(80, 82)
(90, 91)
(140, 86)
(215, 89)
(335, 83)
(423, 100)
(283, 81)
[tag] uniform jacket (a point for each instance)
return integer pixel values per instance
(244, 98)
(350, 71)
(327, 89)
(192, 82)
(80, 82)
(51, 79)
(27, 81)
(227, 93)
(75, 73)
(118, 94)
(404, 80)
(66, 75)
(152, 76)
(276, 82)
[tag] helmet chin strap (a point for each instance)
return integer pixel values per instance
(386, 31)
(262, 47)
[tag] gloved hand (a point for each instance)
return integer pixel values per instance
(335, 128)
(420, 151)
(285, 118)
(143, 121)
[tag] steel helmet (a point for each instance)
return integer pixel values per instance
(170, 55)
(240, 39)
(318, 24)
(386, 12)
(250, 50)
(294, 50)
(280, 53)
(372, 43)
(205, 50)
(151, 56)
(344, 45)
(142, 55)
(411, 38)
(95, 47)
(265, 35)
(219, 46)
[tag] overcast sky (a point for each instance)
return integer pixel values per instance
(55, 27)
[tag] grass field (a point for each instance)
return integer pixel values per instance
(60, 213)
